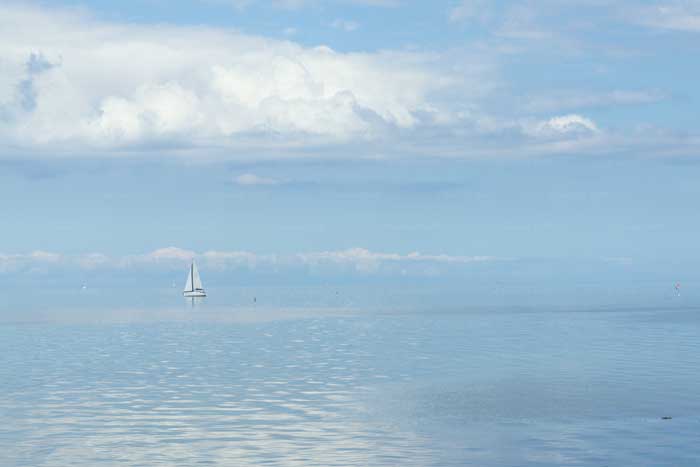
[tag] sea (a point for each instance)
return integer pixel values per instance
(323, 377)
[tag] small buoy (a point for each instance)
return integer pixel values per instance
(667, 418)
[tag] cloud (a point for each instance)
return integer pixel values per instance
(572, 100)
(21, 99)
(565, 125)
(45, 256)
(38, 258)
(254, 180)
(126, 87)
(168, 255)
(223, 260)
(172, 258)
(675, 15)
(72, 85)
(367, 261)
(354, 255)
(92, 261)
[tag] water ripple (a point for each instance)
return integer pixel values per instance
(545, 389)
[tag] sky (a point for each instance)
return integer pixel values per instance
(370, 140)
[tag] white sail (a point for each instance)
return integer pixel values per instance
(196, 281)
(188, 285)
(193, 287)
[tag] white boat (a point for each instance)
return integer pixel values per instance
(193, 287)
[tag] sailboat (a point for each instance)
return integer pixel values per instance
(193, 287)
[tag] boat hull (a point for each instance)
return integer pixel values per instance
(194, 294)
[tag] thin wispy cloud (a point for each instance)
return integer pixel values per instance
(572, 100)
(674, 15)
(254, 180)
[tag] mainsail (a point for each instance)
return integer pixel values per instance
(188, 285)
(196, 281)
(193, 287)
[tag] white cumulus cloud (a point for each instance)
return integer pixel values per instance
(73, 85)
(563, 126)
(70, 82)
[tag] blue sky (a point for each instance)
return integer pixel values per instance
(363, 138)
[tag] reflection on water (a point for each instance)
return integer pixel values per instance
(352, 388)
(195, 303)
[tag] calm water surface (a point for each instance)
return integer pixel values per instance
(231, 386)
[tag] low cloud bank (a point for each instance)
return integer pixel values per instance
(358, 260)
